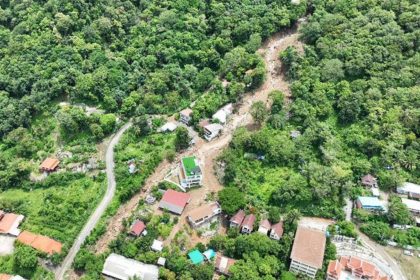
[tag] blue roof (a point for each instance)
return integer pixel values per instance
(196, 257)
(370, 201)
(209, 254)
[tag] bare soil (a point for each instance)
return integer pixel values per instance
(410, 265)
(207, 152)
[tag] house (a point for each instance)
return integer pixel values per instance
(49, 165)
(410, 189)
(157, 245)
(10, 277)
(137, 228)
(185, 116)
(209, 254)
(352, 268)
(222, 115)
(168, 127)
(276, 231)
(247, 225)
(39, 242)
(9, 223)
(174, 201)
(190, 174)
(204, 214)
(308, 251)
(196, 257)
(211, 131)
(122, 268)
(223, 264)
(237, 219)
(412, 205)
(370, 203)
(264, 227)
(204, 122)
(369, 181)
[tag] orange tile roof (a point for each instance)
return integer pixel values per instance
(309, 246)
(5, 277)
(7, 222)
(49, 164)
(204, 211)
(40, 242)
(355, 264)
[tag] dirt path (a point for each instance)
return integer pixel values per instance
(207, 152)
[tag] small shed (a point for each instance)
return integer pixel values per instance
(137, 228)
(196, 257)
(157, 245)
(161, 261)
(209, 254)
(49, 165)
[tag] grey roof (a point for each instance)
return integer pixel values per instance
(171, 207)
(122, 268)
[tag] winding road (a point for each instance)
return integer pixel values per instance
(106, 200)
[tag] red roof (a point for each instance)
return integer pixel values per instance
(137, 228)
(368, 179)
(49, 164)
(238, 217)
(278, 228)
(7, 221)
(5, 276)
(249, 221)
(40, 242)
(354, 264)
(179, 199)
(265, 224)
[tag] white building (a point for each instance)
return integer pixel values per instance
(223, 114)
(410, 189)
(412, 205)
(168, 127)
(185, 116)
(212, 130)
(190, 174)
(308, 251)
(122, 268)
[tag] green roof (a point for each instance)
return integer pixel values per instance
(191, 168)
(196, 257)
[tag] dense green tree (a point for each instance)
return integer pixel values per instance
(259, 112)
(25, 261)
(398, 212)
(231, 199)
(182, 138)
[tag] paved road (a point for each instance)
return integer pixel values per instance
(348, 208)
(94, 218)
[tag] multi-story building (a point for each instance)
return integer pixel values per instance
(308, 251)
(204, 214)
(190, 173)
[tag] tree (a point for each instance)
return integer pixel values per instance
(141, 125)
(398, 212)
(25, 261)
(231, 200)
(259, 112)
(182, 138)
(332, 70)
